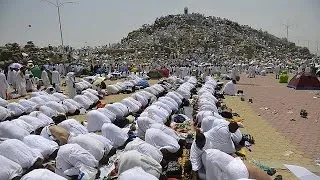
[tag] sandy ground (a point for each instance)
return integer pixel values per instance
(279, 140)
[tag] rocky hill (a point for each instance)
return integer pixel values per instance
(207, 39)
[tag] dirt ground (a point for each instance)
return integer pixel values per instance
(278, 140)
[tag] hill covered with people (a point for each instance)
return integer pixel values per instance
(210, 39)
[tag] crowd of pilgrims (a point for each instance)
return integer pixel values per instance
(37, 130)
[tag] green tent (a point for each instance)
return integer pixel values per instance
(284, 77)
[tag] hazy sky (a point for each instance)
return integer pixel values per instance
(99, 22)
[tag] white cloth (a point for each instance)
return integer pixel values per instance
(28, 105)
(131, 159)
(12, 77)
(222, 166)
(3, 86)
(136, 173)
(56, 80)
(70, 80)
(73, 102)
(95, 120)
(144, 123)
(45, 79)
(220, 138)
(3, 102)
(42, 174)
(84, 101)
(107, 143)
(48, 111)
(210, 122)
(92, 145)
(19, 152)
(166, 130)
(34, 121)
(145, 148)
(42, 116)
(161, 140)
(60, 96)
(60, 108)
(229, 88)
(107, 113)
(73, 127)
(9, 169)
(9, 130)
(4, 113)
(115, 134)
(202, 114)
(71, 157)
(45, 146)
(16, 108)
(195, 157)
(91, 96)
(23, 124)
(21, 83)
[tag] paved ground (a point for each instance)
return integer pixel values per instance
(278, 104)
(271, 147)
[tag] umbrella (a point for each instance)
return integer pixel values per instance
(15, 65)
(98, 81)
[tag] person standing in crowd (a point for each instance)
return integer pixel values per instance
(45, 78)
(56, 79)
(3, 86)
(277, 71)
(21, 82)
(12, 77)
(70, 80)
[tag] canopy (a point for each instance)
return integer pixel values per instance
(304, 81)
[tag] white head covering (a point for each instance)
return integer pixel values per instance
(131, 159)
(9, 169)
(115, 134)
(95, 120)
(42, 174)
(19, 152)
(136, 173)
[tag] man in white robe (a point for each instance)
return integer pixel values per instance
(45, 78)
(220, 137)
(277, 71)
(116, 135)
(10, 130)
(70, 80)
(86, 102)
(21, 82)
(220, 165)
(230, 88)
(112, 116)
(56, 79)
(42, 174)
(45, 146)
(73, 127)
(20, 153)
(161, 140)
(131, 159)
(92, 145)
(12, 77)
(16, 109)
(3, 86)
(136, 173)
(144, 123)
(71, 157)
(5, 113)
(144, 148)
(95, 120)
(9, 169)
